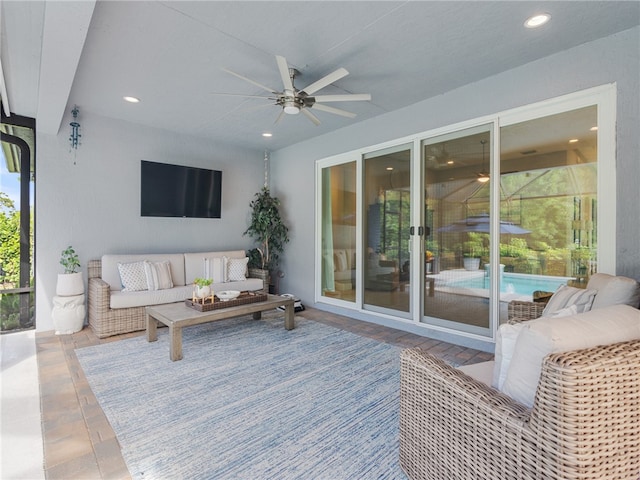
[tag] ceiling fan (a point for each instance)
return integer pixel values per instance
(294, 101)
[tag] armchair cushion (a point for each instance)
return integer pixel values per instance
(538, 338)
(614, 290)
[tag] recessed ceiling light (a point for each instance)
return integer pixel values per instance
(267, 134)
(537, 20)
(449, 162)
(594, 129)
(573, 140)
(390, 169)
(131, 99)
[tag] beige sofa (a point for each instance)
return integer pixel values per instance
(114, 310)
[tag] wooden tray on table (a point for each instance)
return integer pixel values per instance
(214, 303)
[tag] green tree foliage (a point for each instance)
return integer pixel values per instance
(9, 241)
(267, 228)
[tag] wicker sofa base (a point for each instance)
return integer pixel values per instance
(584, 425)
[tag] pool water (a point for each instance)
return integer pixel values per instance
(514, 283)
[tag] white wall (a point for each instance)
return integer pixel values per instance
(608, 60)
(94, 204)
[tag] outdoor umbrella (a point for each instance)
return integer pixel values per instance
(480, 224)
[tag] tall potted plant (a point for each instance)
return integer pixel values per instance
(267, 228)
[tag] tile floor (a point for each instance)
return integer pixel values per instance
(78, 440)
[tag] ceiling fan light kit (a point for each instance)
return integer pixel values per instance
(294, 101)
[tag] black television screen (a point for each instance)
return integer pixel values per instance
(179, 191)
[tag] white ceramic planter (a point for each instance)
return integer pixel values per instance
(68, 314)
(471, 263)
(69, 284)
(203, 292)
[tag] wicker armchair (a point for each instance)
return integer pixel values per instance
(584, 424)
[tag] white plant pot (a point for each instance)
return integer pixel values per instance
(471, 263)
(69, 284)
(203, 292)
(68, 314)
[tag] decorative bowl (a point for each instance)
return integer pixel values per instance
(227, 295)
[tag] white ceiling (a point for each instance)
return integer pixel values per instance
(170, 54)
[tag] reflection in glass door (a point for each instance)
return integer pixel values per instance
(457, 227)
(338, 216)
(387, 222)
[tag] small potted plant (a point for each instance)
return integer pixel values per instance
(203, 287)
(70, 282)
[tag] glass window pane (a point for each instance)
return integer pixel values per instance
(338, 276)
(387, 222)
(549, 186)
(457, 189)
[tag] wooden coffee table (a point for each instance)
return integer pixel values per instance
(176, 316)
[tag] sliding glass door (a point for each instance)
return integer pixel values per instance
(386, 234)
(457, 240)
(505, 208)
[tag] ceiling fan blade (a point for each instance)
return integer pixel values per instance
(324, 81)
(284, 73)
(352, 97)
(279, 116)
(264, 97)
(335, 111)
(270, 90)
(310, 116)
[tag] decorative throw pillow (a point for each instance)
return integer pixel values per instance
(218, 269)
(614, 290)
(566, 296)
(132, 277)
(237, 269)
(505, 345)
(158, 275)
(340, 261)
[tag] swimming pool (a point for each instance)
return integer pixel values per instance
(513, 283)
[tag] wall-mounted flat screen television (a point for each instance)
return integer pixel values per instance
(179, 191)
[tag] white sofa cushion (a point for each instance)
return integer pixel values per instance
(481, 372)
(111, 275)
(542, 336)
(121, 299)
(614, 290)
(132, 277)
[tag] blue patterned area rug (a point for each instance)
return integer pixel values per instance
(252, 401)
